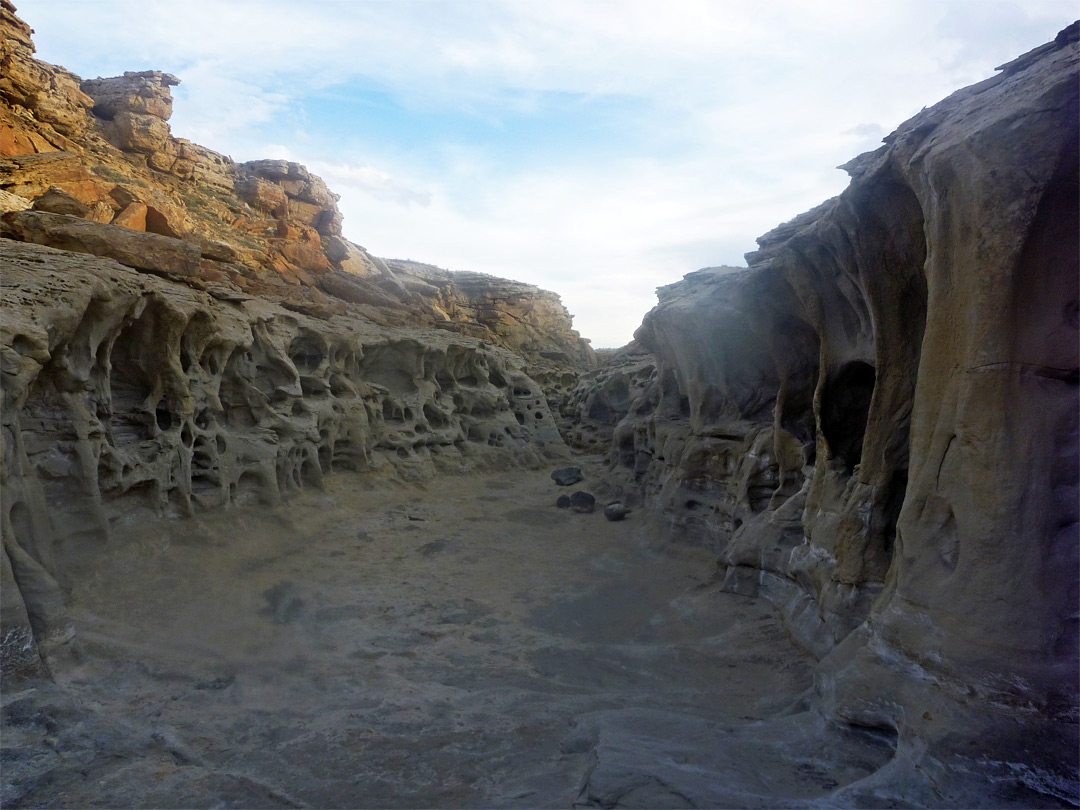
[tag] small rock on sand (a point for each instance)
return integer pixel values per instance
(565, 476)
(615, 511)
(582, 501)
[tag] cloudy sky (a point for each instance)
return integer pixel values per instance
(598, 149)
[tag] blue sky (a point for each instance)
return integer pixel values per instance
(597, 149)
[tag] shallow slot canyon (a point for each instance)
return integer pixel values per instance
(280, 524)
(456, 643)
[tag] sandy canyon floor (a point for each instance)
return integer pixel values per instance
(457, 643)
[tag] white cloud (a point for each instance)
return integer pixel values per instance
(731, 115)
(379, 185)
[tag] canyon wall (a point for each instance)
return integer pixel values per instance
(875, 426)
(185, 332)
(128, 395)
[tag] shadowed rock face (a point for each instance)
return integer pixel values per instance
(127, 394)
(286, 351)
(875, 425)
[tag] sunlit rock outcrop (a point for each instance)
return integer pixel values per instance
(524, 318)
(266, 228)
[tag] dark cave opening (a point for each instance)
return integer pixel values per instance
(845, 405)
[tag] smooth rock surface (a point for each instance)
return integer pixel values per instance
(875, 427)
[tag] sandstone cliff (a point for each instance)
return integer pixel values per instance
(181, 332)
(102, 150)
(524, 318)
(875, 426)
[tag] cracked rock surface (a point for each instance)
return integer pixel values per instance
(458, 644)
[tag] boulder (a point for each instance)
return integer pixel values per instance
(143, 251)
(583, 502)
(57, 201)
(213, 249)
(566, 476)
(133, 217)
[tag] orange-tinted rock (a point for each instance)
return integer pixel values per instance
(262, 195)
(133, 216)
(283, 216)
(290, 229)
(15, 141)
(31, 175)
(306, 256)
(143, 251)
(50, 93)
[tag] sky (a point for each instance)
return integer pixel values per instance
(596, 148)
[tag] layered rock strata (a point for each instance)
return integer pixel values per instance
(267, 228)
(520, 317)
(875, 425)
(524, 318)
